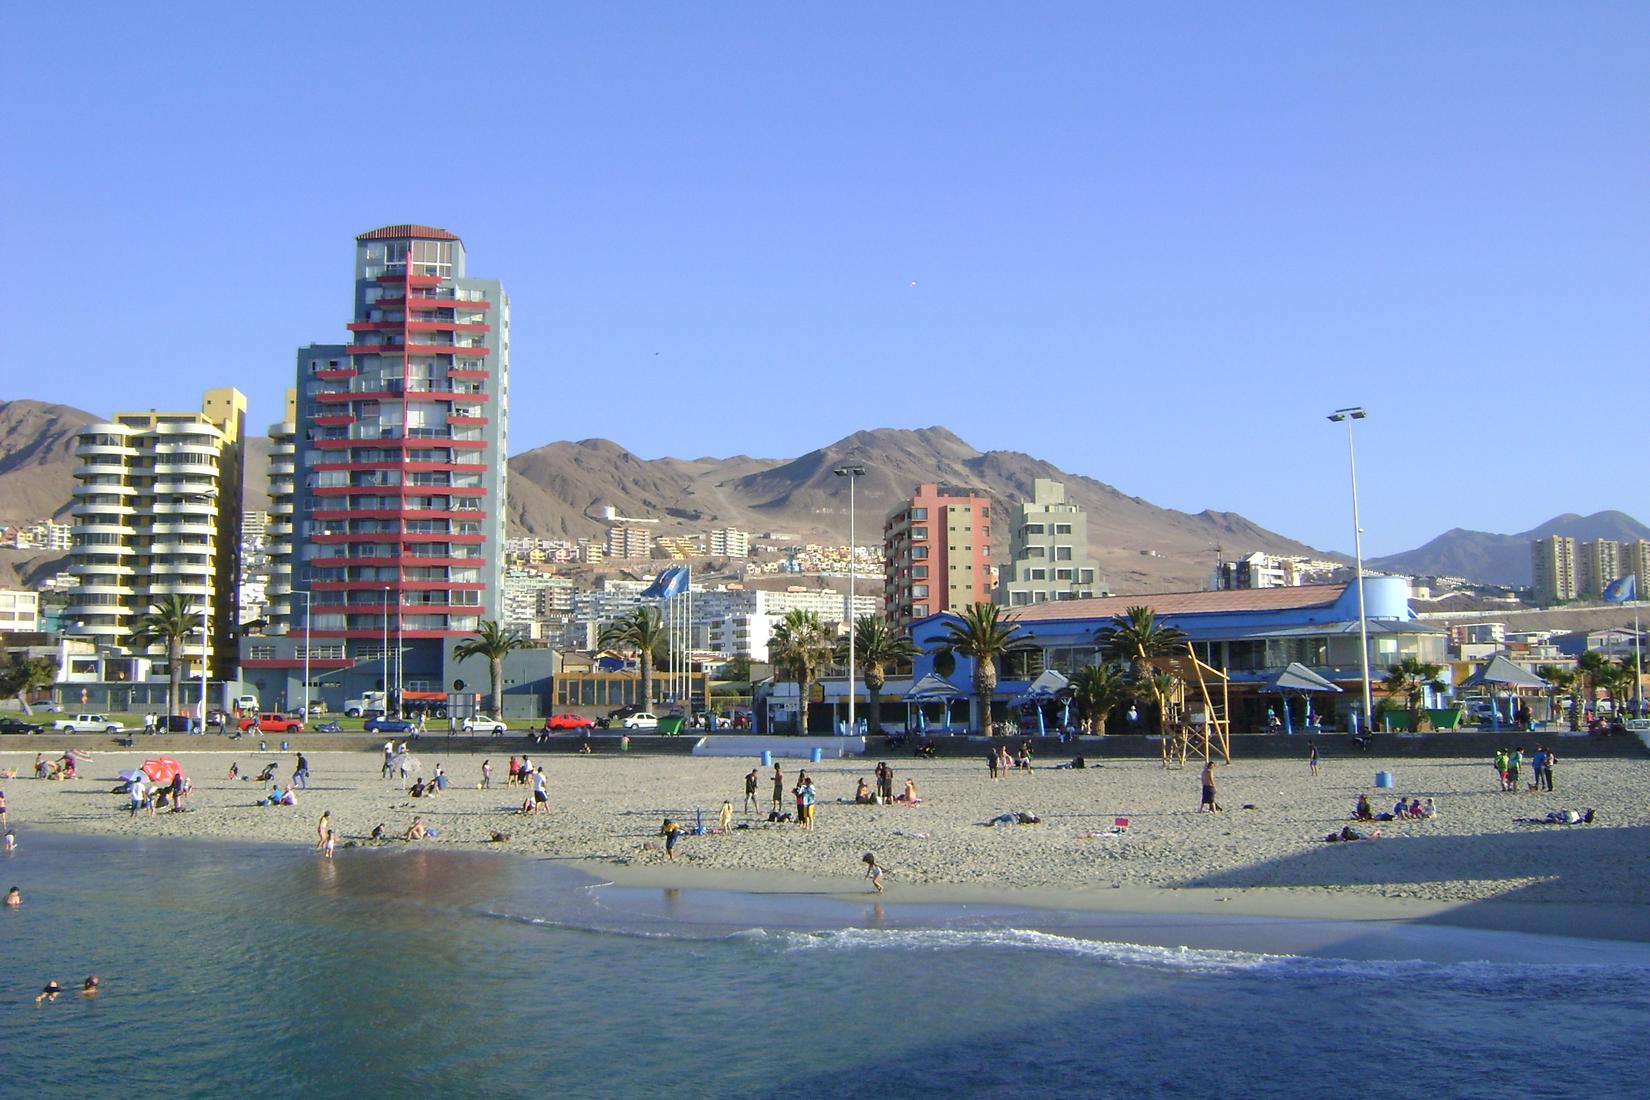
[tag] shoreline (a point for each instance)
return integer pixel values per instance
(1473, 868)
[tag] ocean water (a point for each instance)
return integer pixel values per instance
(235, 970)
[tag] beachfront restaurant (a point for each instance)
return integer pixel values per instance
(1249, 635)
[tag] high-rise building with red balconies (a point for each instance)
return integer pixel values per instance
(398, 497)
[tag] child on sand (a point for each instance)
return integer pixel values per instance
(671, 832)
(873, 871)
(725, 818)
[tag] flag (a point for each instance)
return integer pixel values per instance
(1623, 589)
(670, 582)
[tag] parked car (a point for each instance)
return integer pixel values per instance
(380, 724)
(17, 725)
(273, 723)
(567, 722)
(86, 723)
(480, 723)
(641, 720)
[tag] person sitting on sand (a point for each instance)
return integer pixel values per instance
(234, 770)
(1362, 811)
(1416, 813)
(417, 789)
(416, 831)
(862, 794)
(909, 795)
(377, 832)
(1430, 809)
(287, 797)
(1400, 808)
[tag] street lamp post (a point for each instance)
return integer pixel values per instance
(1348, 415)
(386, 654)
(305, 594)
(208, 496)
(849, 472)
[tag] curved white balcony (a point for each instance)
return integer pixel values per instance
(85, 449)
(104, 528)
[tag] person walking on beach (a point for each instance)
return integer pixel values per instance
(389, 751)
(724, 819)
(1208, 779)
(1546, 777)
(541, 799)
(1312, 757)
(778, 788)
(486, 775)
(328, 844)
(1005, 763)
(873, 871)
(750, 791)
(322, 828)
(137, 795)
(671, 832)
(1515, 762)
(991, 762)
(300, 772)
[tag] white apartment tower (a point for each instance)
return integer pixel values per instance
(157, 513)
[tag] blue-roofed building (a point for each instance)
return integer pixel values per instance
(1249, 634)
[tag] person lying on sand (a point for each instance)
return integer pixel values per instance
(1560, 817)
(1349, 833)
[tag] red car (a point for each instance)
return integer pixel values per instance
(273, 723)
(567, 722)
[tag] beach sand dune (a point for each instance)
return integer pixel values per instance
(607, 811)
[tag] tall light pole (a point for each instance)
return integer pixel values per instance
(305, 594)
(387, 652)
(849, 472)
(207, 496)
(1349, 415)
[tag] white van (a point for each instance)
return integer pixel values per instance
(246, 704)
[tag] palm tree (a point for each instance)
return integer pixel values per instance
(493, 642)
(983, 633)
(1135, 637)
(1099, 690)
(1562, 681)
(1593, 667)
(170, 622)
(1618, 679)
(801, 646)
(1411, 677)
(876, 646)
(642, 630)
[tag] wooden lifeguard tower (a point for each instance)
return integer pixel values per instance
(1192, 716)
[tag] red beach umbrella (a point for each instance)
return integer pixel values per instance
(161, 769)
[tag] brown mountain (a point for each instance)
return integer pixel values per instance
(559, 491)
(37, 458)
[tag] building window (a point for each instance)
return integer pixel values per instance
(919, 532)
(1062, 553)
(1062, 574)
(1062, 528)
(1019, 599)
(1033, 529)
(1086, 576)
(1037, 574)
(919, 513)
(1032, 552)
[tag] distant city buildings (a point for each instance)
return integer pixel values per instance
(629, 543)
(729, 542)
(1048, 551)
(1563, 568)
(19, 611)
(936, 550)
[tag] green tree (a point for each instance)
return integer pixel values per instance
(1411, 677)
(170, 621)
(876, 646)
(493, 642)
(982, 633)
(20, 676)
(801, 647)
(1099, 690)
(1135, 637)
(643, 631)
(1617, 678)
(1562, 681)
(1593, 667)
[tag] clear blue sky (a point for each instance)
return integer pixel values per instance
(1153, 243)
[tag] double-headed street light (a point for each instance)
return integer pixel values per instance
(1348, 415)
(849, 472)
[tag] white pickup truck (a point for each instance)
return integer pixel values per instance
(86, 723)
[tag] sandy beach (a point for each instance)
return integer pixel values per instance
(1474, 864)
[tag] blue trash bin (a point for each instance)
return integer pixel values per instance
(767, 759)
(283, 746)
(816, 755)
(1383, 779)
